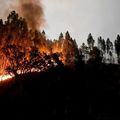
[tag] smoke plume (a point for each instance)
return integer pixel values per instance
(32, 11)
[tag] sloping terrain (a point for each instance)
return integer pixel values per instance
(88, 92)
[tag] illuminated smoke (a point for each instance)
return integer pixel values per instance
(32, 11)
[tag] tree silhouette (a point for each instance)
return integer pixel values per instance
(117, 47)
(12, 17)
(102, 47)
(101, 44)
(67, 36)
(95, 56)
(109, 49)
(61, 36)
(109, 45)
(90, 41)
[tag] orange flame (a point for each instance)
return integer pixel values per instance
(15, 32)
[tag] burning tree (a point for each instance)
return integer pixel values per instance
(67, 48)
(22, 49)
(17, 58)
(23, 61)
(70, 50)
(27, 50)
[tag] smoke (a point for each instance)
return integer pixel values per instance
(32, 11)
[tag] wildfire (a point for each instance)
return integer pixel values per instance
(5, 77)
(23, 50)
(10, 76)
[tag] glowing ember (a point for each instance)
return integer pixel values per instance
(6, 77)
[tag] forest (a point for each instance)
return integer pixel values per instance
(23, 49)
(57, 79)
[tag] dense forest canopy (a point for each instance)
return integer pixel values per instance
(24, 49)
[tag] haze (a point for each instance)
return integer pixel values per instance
(79, 17)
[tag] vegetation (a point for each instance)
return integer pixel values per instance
(17, 43)
(58, 79)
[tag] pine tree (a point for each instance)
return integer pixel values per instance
(90, 41)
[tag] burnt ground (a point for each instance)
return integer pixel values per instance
(87, 92)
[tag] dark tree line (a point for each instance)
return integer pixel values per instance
(107, 49)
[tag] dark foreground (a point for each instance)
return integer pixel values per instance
(87, 92)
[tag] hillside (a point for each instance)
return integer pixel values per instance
(63, 93)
